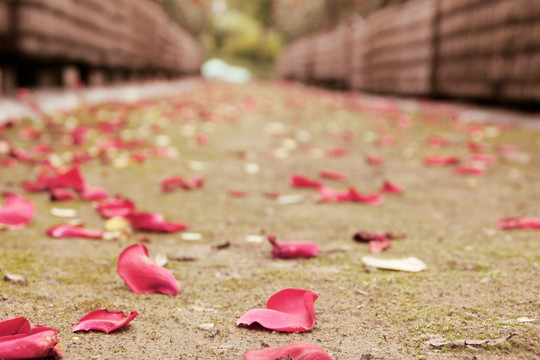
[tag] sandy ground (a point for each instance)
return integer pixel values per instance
(480, 282)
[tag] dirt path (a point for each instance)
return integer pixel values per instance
(480, 282)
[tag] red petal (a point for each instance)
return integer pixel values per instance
(374, 159)
(482, 158)
(173, 182)
(302, 181)
(289, 310)
(293, 250)
(337, 152)
(469, 169)
(69, 231)
(296, 351)
(21, 340)
(370, 199)
(392, 188)
(91, 193)
(202, 139)
(328, 194)
(441, 160)
(519, 223)
(79, 135)
(142, 275)
(437, 141)
(333, 175)
(196, 182)
(16, 211)
(104, 320)
(378, 246)
(115, 206)
(238, 193)
(153, 222)
(62, 194)
(71, 178)
(41, 183)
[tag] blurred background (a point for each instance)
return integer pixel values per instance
(474, 49)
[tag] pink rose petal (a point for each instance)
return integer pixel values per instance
(16, 212)
(173, 182)
(295, 351)
(142, 275)
(288, 310)
(114, 207)
(482, 158)
(70, 231)
(93, 193)
(71, 179)
(378, 246)
(153, 222)
(437, 141)
(392, 188)
(327, 194)
(370, 199)
(303, 182)
(19, 339)
(333, 175)
(63, 194)
(519, 223)
(337, 152)
(238, 193)
(374, 159)
(470, 169)
(104, 320)
(196, 182)
(440, 160)
(293, 250)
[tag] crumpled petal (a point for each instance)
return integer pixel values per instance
(153, 222)
(142, 275)
(471, 169)
(303, 181)
(19, 339)
(288, 310)
(519, 223)
(392, 188)
(62, 194)
(92, 193)
(172, 182)
(72, 178)
(17, 211)
(441, 160)
(115, 206)
(370, 199)
(295, 351)
(70, 231)
(293, 250)
(104, 320)
(333, 175)
(378, 242)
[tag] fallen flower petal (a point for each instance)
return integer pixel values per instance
(288, 310)
(333, 175)
(364, 236)
(238, 193)
(470, 169)
(378, 246)
(91, 193)
(327, 194)
(437, 141)
(16, 212)
(374, 159)
(519, 223)
(293, 250)
(19, 339)
(392, 188)
(441, 160)
(142, 275)
(62, 194)
(410, 264)
(482, 158)
(172, 182)
(115, 206)
(196, 182)
(294, 351)
(153, 222)
(370, 199)
(302, 181)
(103, 320)
(337, 152)
(72, 178)
(70, 231)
